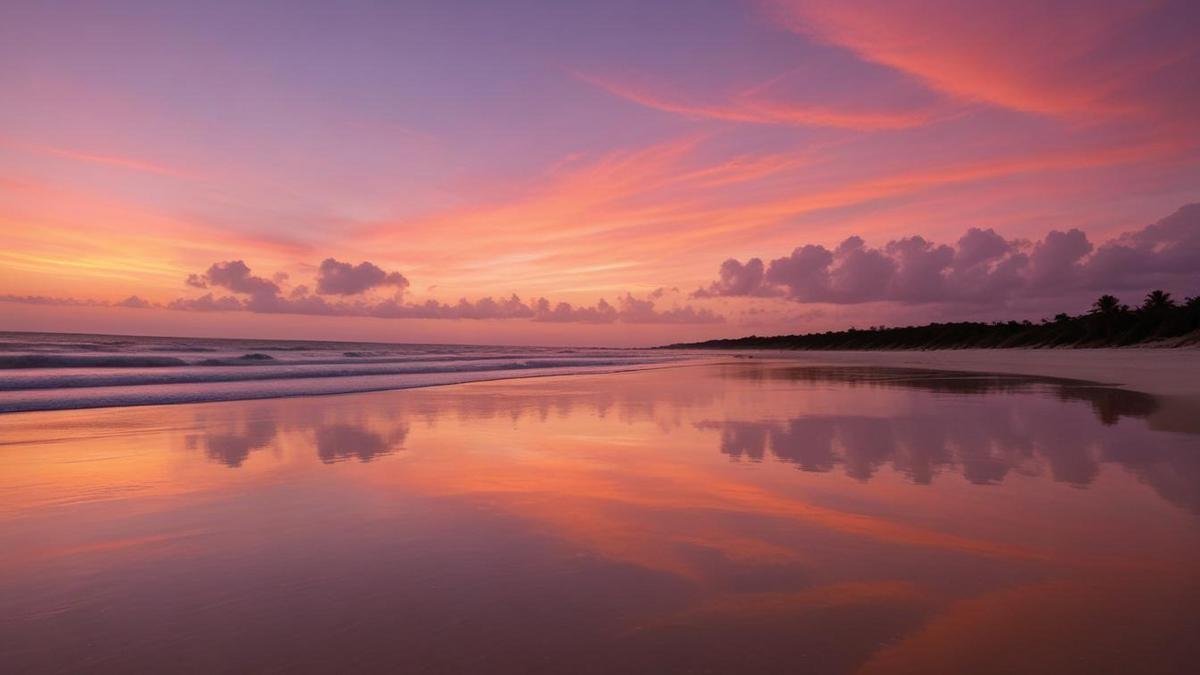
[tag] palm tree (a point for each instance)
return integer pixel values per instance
(1106, 304)
(1158, 300)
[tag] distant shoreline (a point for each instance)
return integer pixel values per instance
(1159, 322)
(1167, 373)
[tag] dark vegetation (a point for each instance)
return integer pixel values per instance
(1159, 319)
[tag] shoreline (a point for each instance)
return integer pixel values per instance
(444, 380)
(1160, 372)
(1170, 374)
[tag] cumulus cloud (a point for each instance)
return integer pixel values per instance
(207, 303)
(737, 278)
(135, 302)
(132, 301)
(50, 300)
(1155, 255)
(235, 276)
(634, 310)
(341, 278)
(253, 293)
(981, 267)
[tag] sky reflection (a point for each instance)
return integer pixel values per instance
(650, 521)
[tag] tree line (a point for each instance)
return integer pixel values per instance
(1108, 323)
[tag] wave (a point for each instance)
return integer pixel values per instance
(21, 361)
(306, 384)
(46, 371)
(294, 371)
(255, 359)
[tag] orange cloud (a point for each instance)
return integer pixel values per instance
(747, 107)
(644, 216)
(120, 162)
(1030, 55)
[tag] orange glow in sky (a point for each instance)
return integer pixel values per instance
(602, 174)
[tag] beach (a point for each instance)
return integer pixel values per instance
(592, 338)
(749, 516)
(1172, 375)
(63, 371)
(1163, 372)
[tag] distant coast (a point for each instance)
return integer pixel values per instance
(1159, 321)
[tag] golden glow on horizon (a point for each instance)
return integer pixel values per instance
(828, 120)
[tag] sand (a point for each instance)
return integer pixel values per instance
(690, 519)
(1163, 372)
(1171, 375)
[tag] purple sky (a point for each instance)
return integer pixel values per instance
(401, 170)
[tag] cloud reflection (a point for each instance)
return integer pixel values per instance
(982, 443)
(233, 440)
(340, 442)
(1027, 425)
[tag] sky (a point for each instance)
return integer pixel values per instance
(607, 173)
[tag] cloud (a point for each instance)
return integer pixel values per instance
(129, 163)
(737, 278)
(1057, 259)
(634, 310)
(563, 312)
(982, 267)
(50, 300)
(235, 275)
(266, 297)
(207, 303)
(340, 278)
(1042, 56)
(134, 302)
(1153, 255)
(752, 107)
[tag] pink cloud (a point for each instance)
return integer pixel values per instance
(982, 267)
(1044, 56)
(340, 278)
(266, 297)
(754, 107)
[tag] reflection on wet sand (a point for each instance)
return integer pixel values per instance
(984, 444)
(343, 441)
(598, 524)
(1109, 403)
(231, 442)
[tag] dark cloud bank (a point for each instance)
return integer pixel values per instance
(981, 268)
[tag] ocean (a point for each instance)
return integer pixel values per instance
(55, 371)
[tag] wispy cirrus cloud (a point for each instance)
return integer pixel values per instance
(118, 161)
(755, 107)
(130, 163)
(1055, 57)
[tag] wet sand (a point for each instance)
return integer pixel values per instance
(747, 517)
(1163, 372)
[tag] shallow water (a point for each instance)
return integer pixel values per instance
(59, 371)
(752, 517)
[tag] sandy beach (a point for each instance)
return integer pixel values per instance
(765, 516)
(1171, 375)
(1163, 372)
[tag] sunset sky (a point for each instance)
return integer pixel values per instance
(622, 172)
